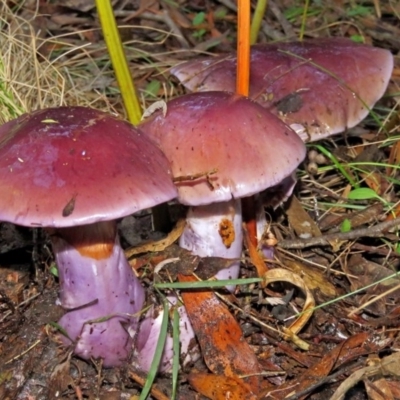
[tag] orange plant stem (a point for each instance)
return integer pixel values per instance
(243, 48)
(242, 88)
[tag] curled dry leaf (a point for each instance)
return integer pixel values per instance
(158, 245)
(313, 278)
(279, 275)
(218, 387)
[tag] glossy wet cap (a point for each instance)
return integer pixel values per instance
(324, 85)
(70, 166)
(242, 147)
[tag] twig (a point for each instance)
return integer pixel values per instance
(375, 250)
(24, 352)
(185, 178)
(286, 26)
(324, 380)
(155, 392)
(175, 29)
(326, 240)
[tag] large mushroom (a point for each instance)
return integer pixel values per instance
(222, 147)
(75, 171)
(319, 87)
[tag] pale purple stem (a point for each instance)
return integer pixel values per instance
(148, 335)
(97, 288)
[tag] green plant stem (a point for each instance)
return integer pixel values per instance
(118, 60)
(304, 19)
(258, 16)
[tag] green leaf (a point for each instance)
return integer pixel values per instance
(220, 13)
(153, 87)
(54, 270)
(199, 18)
(363, 194)
(345, 226)
(199, 34)
(357, 38)
(359, 10)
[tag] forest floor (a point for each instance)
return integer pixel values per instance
(52, 55)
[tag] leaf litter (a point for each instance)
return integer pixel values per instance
(54, 55)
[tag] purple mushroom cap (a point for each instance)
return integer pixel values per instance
(320, 87)
(249, 148)
(72, 166)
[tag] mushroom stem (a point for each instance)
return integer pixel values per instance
(99, 290)
(215, 231)
(147, 339)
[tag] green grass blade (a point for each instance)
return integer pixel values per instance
(118, 60)
(176, 348)
(158, 353)
(206, 284)
(337, 164)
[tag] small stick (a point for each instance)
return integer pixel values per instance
(377, 230)
(185, 178)
(155, 392)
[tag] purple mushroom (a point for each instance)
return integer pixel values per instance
(236, 149)
(225, 147)
(74, 171)
(319, 87)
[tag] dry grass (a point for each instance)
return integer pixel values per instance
(36, 72)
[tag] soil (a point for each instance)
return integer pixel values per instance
(33, 364)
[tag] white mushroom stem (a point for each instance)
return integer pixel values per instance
(215, 230)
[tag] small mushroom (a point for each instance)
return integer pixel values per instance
(319, 87)
(75, 171)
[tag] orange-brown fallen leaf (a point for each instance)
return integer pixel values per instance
(300, 220)
(223, 346)
(218, 387)
(394, 158)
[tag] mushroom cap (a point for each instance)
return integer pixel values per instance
(325, 85)
(71, 166)
(246, 147)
